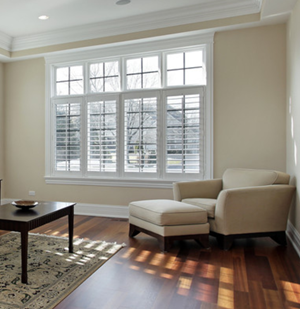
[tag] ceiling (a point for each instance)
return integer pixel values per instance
(71, 20)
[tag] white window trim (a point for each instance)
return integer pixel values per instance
(122, 50)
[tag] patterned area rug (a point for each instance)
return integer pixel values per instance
(53, 272)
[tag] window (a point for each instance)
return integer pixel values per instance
(102, 136)
(142, 73)
(67, 137)
(184, 133)
(69, 80)
(141, 119)
(104, 76)
(140, 135)
(185, 68)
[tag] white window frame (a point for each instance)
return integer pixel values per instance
(112, 53)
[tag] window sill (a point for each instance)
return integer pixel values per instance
(136, 183)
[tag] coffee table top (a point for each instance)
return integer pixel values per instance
(9, 212)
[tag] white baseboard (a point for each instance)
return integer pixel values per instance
(5, 201)
(97, 210)
(294, 237)
(102, 210)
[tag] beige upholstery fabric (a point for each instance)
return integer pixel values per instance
(167, 212)
(196, 189)
(246, 201)
(238, 177)
(252, 210)
(208, 204)
(171, 230)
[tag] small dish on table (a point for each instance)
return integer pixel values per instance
(25, 204)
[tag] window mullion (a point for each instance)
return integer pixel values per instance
(121, 136)
(83, 137)
(161, 114)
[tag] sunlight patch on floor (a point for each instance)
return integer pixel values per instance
(157, 259)
(171, 263)
(134, 267)
(166, 276)
(184, 284)
(226, 275)
(225, 293)
(205, 292)
(225, 298)
(291, 291)
(127, 254)
(189, 267)
(209, 271)
(150, 271)
(143, 256)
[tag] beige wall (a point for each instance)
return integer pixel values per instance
(249, 96)
(249, 118)
(293, 108)
(1, 123)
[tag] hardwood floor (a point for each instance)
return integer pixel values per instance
(254, 274)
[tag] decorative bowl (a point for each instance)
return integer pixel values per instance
(25, 204)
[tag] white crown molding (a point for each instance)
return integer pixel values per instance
(193, 38)
(5, 41)
(198, 13)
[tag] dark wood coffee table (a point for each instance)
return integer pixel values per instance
(15, 219)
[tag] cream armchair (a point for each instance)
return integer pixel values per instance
(244, 203)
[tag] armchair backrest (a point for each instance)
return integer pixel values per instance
(240, 177)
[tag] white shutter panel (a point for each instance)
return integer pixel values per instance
(140, 135)
(67, 136)
(102, 136)
(185, 131)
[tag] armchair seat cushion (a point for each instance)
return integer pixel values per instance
(209, 204)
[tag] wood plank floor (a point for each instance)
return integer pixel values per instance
(254, 274)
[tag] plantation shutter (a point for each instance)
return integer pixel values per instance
(185, 131)
(67, 136)
(102, 136)
(140, 135)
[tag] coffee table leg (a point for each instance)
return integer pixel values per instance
(71, 228)
(24, 255)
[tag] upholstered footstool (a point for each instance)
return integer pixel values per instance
(169, 220)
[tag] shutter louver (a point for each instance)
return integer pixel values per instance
(141, 135)
(68, 140)
(184, 134)
(102, 136)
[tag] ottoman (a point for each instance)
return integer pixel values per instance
(169, 220)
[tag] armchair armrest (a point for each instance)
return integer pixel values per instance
(194, 189)
(253, 209)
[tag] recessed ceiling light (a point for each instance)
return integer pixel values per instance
(122, 2)
(43, 17)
